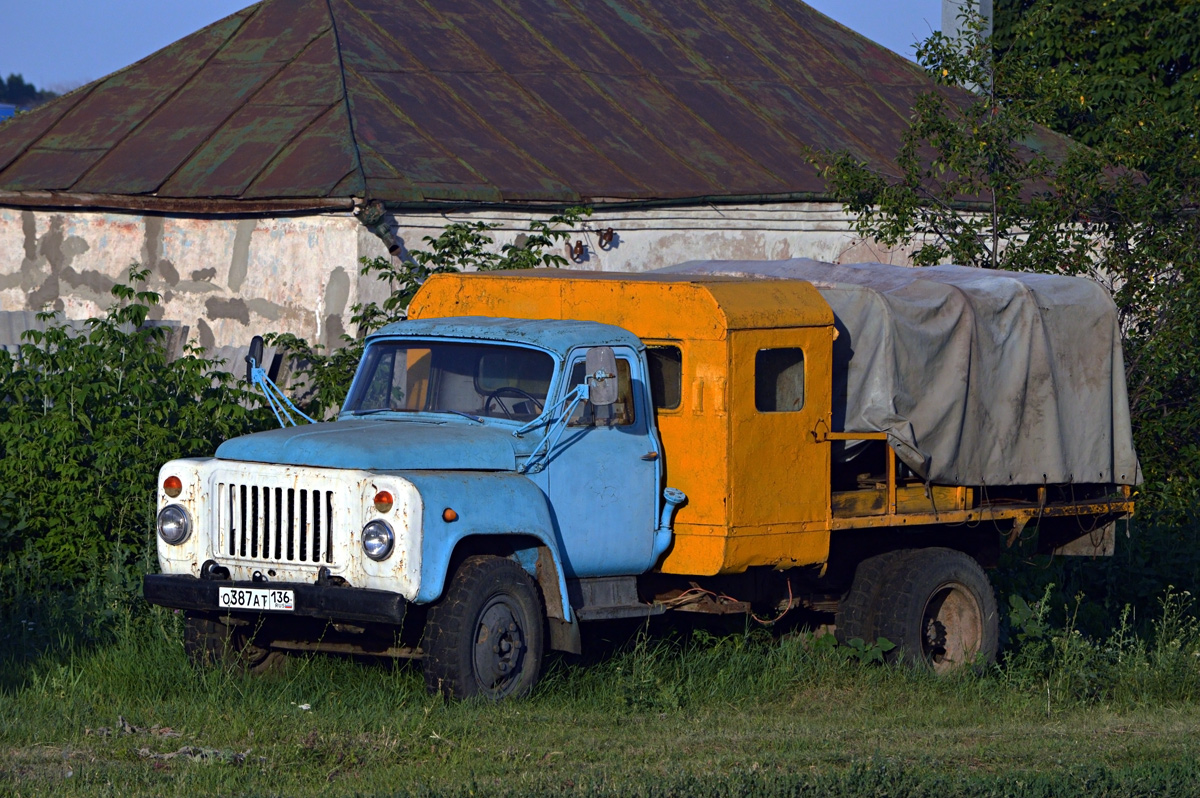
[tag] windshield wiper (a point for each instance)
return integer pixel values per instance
(372, 411)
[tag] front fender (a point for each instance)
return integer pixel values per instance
(484, 503)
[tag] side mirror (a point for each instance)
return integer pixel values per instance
(602, 376)
(254, 358)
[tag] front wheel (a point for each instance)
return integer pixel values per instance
(484, 638)
(209, 641)
(942, 613)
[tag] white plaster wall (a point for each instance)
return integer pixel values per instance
(651, 239)
(644, 240)
(227, 279)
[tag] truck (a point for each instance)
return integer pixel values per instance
(531, 452)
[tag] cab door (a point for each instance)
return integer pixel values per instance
(603, 476)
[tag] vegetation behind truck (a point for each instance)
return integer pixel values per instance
(533, 451)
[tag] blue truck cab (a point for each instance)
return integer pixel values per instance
(486, 482)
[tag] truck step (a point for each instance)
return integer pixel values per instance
(617, 611)
(607, 598)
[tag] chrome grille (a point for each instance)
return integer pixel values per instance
(275, 524)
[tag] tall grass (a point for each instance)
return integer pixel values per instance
(652, 669)
(656, 713)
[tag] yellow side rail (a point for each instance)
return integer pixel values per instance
(920, 505)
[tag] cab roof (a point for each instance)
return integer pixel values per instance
(554, 335)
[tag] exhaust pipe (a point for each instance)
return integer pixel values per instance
(672, 498)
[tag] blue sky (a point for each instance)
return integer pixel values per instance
(61, 44)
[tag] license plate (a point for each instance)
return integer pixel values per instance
(249, 598)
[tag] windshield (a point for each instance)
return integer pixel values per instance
(490, 380)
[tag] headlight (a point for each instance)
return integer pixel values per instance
(377, 540)
(174, 524)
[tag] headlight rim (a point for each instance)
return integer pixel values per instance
(381, 554)
(186, 520)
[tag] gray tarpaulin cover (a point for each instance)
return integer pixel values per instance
(978, 377)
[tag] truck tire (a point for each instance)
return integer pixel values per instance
(209, 642)
(485, 637)
(941, 612)
(858, 610)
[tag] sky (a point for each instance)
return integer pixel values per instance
(61, 44)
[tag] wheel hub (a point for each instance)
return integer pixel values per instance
(952, 628)
(499, 647)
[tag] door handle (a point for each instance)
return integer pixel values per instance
(650, 456)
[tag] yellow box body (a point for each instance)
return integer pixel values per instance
(758, 484)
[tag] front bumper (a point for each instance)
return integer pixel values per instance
(329, 602)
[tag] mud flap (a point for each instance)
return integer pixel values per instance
(564, 636)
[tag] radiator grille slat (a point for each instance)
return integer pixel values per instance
(268, 523)
(303, 528)
(329, 523)
(244, 516)
(252, 528)
(316, 548)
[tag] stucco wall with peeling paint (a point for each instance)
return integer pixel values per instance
(227, 279)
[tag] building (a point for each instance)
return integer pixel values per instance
(240, 163)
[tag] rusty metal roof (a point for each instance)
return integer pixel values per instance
(294, 104)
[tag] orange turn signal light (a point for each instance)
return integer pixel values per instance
(449, 515)
(383, 501)
(172, 486)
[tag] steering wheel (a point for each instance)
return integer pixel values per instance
(510, 391)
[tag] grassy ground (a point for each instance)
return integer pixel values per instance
(731, 715)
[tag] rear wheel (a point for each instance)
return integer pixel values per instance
(485, 637)
(941, 611)
(209, 641)
(859, 609)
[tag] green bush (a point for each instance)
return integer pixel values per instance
(1160, 666)
(86, 420)
(1156, 552)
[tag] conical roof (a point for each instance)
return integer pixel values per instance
(309, 103)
